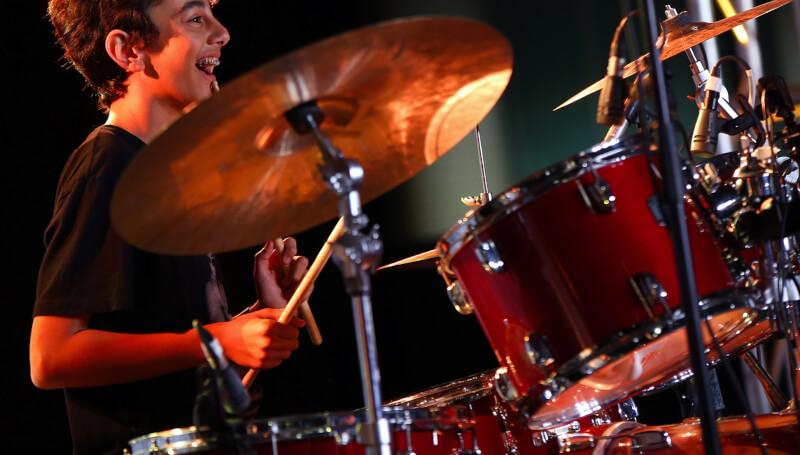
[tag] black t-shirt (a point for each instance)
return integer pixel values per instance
(88, 269)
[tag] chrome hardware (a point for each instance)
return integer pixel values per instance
(540, 438)
(539, 350)
(476, 201)
(409, 449)
(598, 195)
(650, 292)
(509, 441)
(603, 200)
(773, 393)
(575, 442)
(739, 269)
(489, 256)
(454, 291)
(459, 299)
(628, 410)
(600, 418)
(650, 440)
(504, 387)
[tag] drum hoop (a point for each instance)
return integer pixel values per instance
(533, 187)
(335, 424)
(178, 440)
(628, 339)
(470, 388)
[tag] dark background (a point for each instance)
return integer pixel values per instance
(559, 48)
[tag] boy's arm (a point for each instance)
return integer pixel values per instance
(64, 352)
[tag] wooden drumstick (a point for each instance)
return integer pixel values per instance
(305, 309)
(309, 278)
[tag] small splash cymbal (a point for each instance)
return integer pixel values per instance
(683, 39)
(432, 254)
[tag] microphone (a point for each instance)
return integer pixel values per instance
(611, 107)
(233, 395)
(707, 128)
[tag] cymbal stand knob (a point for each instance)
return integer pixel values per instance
(355, 253)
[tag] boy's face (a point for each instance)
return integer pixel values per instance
(180, 63)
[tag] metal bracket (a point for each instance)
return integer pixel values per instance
(489, 256)
(650, 292)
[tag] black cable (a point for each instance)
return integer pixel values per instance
(684, 267)
(737, 388)
(722, 356)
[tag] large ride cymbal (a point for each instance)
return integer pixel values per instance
(683, 39)
(232, 173)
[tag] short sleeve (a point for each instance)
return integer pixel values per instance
(86, 265)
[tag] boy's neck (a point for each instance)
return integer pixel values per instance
(144, 118)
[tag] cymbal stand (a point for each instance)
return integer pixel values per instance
(486, 196)
(778, 281)
(673, 192)
(355, 253)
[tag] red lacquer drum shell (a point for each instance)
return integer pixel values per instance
(572, 276)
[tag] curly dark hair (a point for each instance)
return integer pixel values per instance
(81, 27)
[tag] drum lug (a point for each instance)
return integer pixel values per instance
(509, 441)
(540, 438)
(651, 440)
(739, 269)
(539, 350)
(650, 292)
(459, 299)
(575, 442)
(628, 410)
(598, 195)
(455, 292)
(504, 387)
(489, 256)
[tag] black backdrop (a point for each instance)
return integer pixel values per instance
(559, 47)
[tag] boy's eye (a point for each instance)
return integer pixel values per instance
(197, 19)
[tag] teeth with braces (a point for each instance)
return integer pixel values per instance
(207, 61)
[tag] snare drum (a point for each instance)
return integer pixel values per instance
(431, 431)
(498, 430)
(572, 276)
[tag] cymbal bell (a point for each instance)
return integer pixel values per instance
(683, 39)
(232, 173)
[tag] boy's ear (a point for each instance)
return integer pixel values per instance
(123, 51)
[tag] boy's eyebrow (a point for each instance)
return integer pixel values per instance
(194, 4)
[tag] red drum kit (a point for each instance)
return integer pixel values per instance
(583, 312)
(599, 320)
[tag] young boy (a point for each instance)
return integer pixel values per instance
(112, 323)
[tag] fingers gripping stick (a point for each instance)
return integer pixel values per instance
(305, 309)
(308, 280)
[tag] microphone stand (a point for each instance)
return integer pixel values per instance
(355, 253)
(674, 192)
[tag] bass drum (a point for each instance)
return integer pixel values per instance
(432, 431)
(498, 430)
(572, 276)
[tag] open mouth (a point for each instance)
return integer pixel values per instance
(207, 64)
